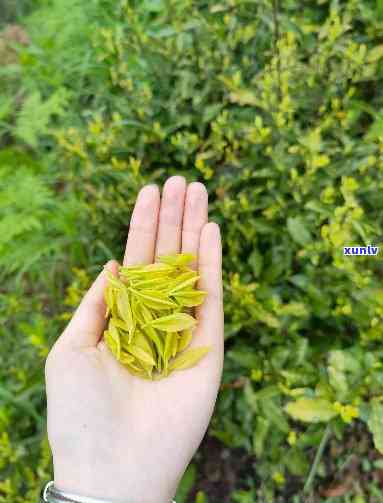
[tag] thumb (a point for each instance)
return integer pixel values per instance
(88, 322)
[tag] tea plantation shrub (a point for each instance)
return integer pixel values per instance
(279, 112)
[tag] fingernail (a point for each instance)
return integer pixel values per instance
(147, 194)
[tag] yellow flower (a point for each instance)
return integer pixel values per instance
(347, 309)
(292, 438)
(346, 412)
(328, 195)
(357, 213)
(135, 165)
(320, 160)
(95, 127)
(199, 164)
(324, 231)
(279, 478)
(335, 103)
(349, 184)
(116, 117)
(118, 164)
(256, 375)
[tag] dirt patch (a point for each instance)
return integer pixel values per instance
(221, 470)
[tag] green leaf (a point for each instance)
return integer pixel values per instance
(296, 462)
(375, 54)
(293, 309)
(244, 357)
(298, 231)
(375, 424)
(274, 413)
(311, 410)
(5, 107)
(35, 115)
(256, 262)
(153, 5)
(261, 431)
(186, 484)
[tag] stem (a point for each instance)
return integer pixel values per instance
(318, 456)
(275, 4)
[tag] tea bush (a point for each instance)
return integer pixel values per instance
(277, 109)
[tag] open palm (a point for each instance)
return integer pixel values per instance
(114, 435)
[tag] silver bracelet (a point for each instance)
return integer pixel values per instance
(53, 495)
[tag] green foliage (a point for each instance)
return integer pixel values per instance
(35, 115)
(186, 483)
(287, 133)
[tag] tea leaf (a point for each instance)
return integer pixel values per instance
(120, 324)
(174, 345)
(115, 282)
(152, 334)
(146, 339)
(177, 277)
(157, 282)
(140, 354)
(169, 343)
(174, 322)
(184, 340)
(189, 280)
(147, 271)
(180, 259)
(126, 358)
(125, 310)
(153, 299)
(112, 339)
(109, 300)
(188, 358)
(190, 298)
(133, 369)
(143, 342)
(137, 310)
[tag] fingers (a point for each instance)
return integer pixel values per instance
(141, 240)
(88, 322)
(210, 313)
(171, 215)
(195, 217)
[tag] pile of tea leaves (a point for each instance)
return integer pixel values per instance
(149, 316)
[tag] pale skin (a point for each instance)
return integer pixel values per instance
(116, 436)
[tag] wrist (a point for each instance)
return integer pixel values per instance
(118, 485)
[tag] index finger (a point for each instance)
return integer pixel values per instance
(143, 227)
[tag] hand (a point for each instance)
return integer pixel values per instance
(114, 435)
